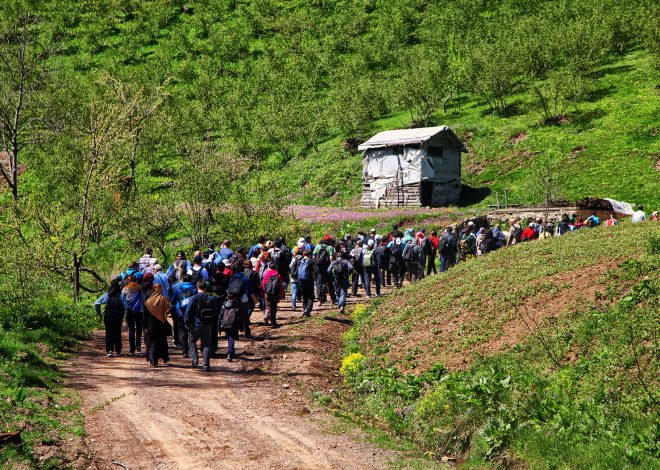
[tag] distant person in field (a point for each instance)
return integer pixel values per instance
(592, 221)
(397, 264)
(654, 216)
(371, 266)
(303, 267)
(447, 247)
(528, 234)
(611, 221)
(639, 215)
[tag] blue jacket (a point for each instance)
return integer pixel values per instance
(136, 272)
(181, 303)
(161, 279)
(256, 248)
(191, 317)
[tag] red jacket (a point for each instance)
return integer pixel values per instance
(528, 234)
(267, 275)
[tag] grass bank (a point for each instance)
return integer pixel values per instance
(577, 388)
(35, 343)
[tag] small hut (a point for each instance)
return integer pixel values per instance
(412, 168)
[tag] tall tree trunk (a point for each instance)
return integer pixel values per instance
(76, 278)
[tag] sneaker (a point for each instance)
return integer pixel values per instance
(193, 366)
(109, 354)
(207, 368)
(274, 326)
(342, 309)
(138, 349)
(115, 354)
(230, 357)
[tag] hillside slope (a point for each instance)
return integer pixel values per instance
(544, 354)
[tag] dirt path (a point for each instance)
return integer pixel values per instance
(251, 413)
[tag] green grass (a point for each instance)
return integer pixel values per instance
(33, 348)
(581, 391)
(618, 126)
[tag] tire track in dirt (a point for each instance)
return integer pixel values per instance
(237, 416)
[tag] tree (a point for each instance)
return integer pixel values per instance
(544, 181)
(423, 84)
(23, 75)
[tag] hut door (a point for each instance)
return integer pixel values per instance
(426, 193)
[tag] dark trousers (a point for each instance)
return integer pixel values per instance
(216, 327)
(446, 262)
(385, 277)
(175, 331)
(134, 323)
(180, 332)
(245, 312)
(397, 274)
(430, 264)
(271, 309)
(204, 333)
(369, 273)
(415, 271)
(358, 274)
(113, 334)
(325, 286)
(307, 288)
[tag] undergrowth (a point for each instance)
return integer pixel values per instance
(35, 341)
(598, 407)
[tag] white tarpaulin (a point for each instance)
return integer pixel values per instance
(388, 168)
(620, 207)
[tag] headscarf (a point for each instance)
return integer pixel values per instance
(157, 305)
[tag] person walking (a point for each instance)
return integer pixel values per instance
(131, 296)
(113, 317)
(324, 253)
(431, 247)
(447, 247)
(383, 254)
(412, 255)
(180, 299)
(341, 270)
(198, 318)
(157, 306)
(274, 291)
(303, 269)
(396, 262)
(358, 268)
(371, 268)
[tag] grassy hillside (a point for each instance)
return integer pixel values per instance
(544, 354)
(281, 87)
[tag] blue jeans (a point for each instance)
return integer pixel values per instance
(205, 333)
(295, 289)
(446, 262)
(134, 324)
(342, 287)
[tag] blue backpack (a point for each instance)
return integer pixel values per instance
(304, 271)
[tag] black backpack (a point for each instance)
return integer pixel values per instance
(235, 287)
(206, 308)
(427, 246)
(383, 255)
(322, 257)
(412, 253)
(114, 309)
(282, 261)
(273, 287)
(517, 233)
(340, 269)
(230, 314)
(196, 275)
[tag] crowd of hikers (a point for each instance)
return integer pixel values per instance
(218, 290)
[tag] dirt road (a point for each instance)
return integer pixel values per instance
(251, 413)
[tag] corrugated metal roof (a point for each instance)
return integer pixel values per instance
(407, 137)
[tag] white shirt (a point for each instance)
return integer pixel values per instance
(639, 216)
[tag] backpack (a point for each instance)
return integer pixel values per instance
(114, 309)
(517, 232)
(196, 275)
(282, 260)
(412, 253)
(273, 286)
(144, 262)
(219, 284)
(368, 259)
(427, 246)
(384, 255)
(340, 269)
(135, 303)
(206, 308)
(235, 287)
(304, 272)
(322, 257)
(179, 270)
(229, 315)
(397, 252)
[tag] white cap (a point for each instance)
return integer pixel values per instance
(226, 262)
(370, 242)
(470, 224)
